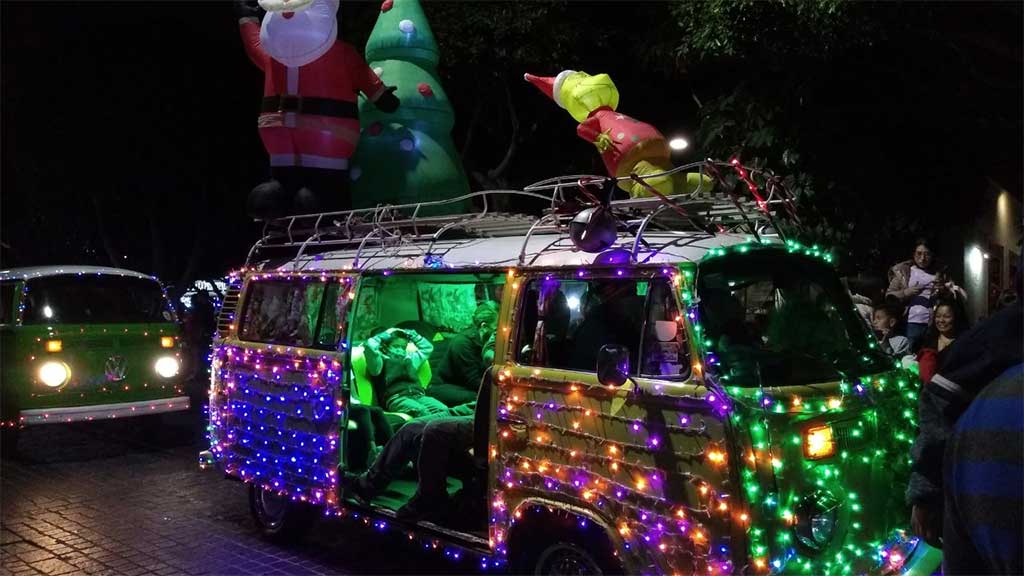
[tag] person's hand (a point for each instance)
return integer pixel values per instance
(914, 290)
(926, 522)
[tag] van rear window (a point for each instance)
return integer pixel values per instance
(282, 312)
(95, 299)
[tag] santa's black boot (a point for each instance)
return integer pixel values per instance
(322, 190)
(272, 198)
(305, 199)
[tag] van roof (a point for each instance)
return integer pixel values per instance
(542, 250)
(58, 270)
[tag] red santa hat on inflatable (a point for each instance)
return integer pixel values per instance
(550, 85)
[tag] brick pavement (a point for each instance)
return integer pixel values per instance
(126, 498)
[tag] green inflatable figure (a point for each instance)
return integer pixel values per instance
(407, 156)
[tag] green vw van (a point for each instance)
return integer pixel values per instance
(82, 343)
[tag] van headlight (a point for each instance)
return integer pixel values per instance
(167, 366)
(817, 516)
(54, 373)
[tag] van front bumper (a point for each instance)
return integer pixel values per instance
(102, 411)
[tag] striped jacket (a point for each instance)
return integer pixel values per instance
(984, 480)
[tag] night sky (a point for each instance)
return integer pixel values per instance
(129, 128)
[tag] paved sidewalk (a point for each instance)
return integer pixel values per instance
(126, 498)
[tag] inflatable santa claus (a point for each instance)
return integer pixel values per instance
(309, 120)
(627, 145)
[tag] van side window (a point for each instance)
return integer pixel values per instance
(282, 312)
(666, 348)
(565, 322)
(7, 303)
(335, 317)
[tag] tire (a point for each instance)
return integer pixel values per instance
(277, 518)
(565, 558)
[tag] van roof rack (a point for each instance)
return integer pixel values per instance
(705, 211)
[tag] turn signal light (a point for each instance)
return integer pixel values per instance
(54, 345)
(167, 342)
(819, 442)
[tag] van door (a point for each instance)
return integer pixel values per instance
(280, 387)
(638, 460)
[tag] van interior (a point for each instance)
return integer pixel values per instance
(438, 307)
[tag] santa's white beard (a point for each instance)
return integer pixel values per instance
(304, 37)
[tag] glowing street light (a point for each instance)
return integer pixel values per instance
(678, 143)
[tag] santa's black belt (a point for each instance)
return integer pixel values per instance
(310, 105)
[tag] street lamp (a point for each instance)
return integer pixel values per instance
(678, 143)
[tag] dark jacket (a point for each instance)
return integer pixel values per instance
(463, 363)
(976, 358)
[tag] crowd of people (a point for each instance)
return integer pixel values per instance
(967, 473)
(920, 313)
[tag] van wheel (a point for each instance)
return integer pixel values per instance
(563, 558)
(278, 518)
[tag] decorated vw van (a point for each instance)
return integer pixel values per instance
(86, 343)
(678, 387)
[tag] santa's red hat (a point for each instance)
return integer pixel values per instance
(551, 86)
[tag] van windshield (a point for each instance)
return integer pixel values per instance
(92, 299)
(778, 320)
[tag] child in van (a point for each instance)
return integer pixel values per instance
(884, 320)
(392, 369)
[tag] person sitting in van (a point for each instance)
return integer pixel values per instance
(884, 320)
(436, 445)
(392, 370)
(456, 375)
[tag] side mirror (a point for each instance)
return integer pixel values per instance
(613, 365)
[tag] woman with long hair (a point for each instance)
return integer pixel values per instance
(948, 321)
(918, 285)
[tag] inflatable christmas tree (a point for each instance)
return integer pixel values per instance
(407, 156)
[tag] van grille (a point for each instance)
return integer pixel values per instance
(226, 319)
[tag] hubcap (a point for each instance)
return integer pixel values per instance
(271, 507)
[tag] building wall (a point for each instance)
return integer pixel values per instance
(991, 252)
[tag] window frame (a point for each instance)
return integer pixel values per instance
(314, 343)
(650, 275)
(30, 287)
